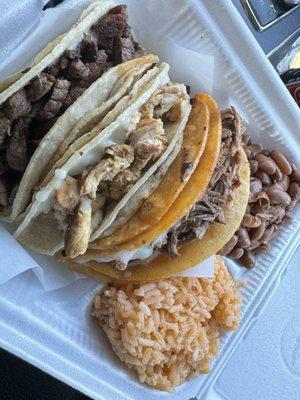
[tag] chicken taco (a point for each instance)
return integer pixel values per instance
(105, 174)
(178, 226)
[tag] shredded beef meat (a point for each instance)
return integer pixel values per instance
(224, 179)
(40, 103)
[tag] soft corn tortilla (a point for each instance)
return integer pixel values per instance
(31, 230)
(114, 127)
(190, 254)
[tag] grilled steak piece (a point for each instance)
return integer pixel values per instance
(17, 105)
(88, 49)
(39, 86)
(53, 106)
(17, 146)
(123, 49)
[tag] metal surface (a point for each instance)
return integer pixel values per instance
(253, 17)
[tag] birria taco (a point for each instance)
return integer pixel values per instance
(67, 89)
(184, 220)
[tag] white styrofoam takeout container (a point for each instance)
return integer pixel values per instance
(53, 330)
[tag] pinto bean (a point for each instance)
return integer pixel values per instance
(266, 237)
(292, 205)
(243, 238)
(295, 176)
(265, 164)
(278, 196)
(229, 246)
(278, 176)
(265, 178)
(251, 221)
(282, 162)
(255, 185)
(236, 253)
(253, 166)
(294, 191)
(284, 183)
(248, 259)
(253, 245)
(256, 233)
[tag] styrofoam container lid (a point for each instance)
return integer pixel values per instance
(53, 330)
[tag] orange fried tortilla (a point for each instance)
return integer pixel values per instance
(158, 203)
(191, 253)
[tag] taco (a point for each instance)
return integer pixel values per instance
(171, 233)
(104, 176)
(76, 79)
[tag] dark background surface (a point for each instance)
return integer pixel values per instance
(21, 381)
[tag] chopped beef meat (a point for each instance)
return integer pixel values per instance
(120, 9)
(36, 108)
(54, 69)
(17, 146)
(17, 105)
(76, 69)
(5, 125)
(3, 192)
(73, 54)
(107, 44)
(41, 85)
(123, 49)
(112, 25)
(96, 68)
(53, 106)
(89, 49)
(224, 179)
(74, 92)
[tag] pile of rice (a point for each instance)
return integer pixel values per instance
(168, 331)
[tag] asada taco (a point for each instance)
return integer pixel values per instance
(106, 173)
(178, 226)
(76, 79)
